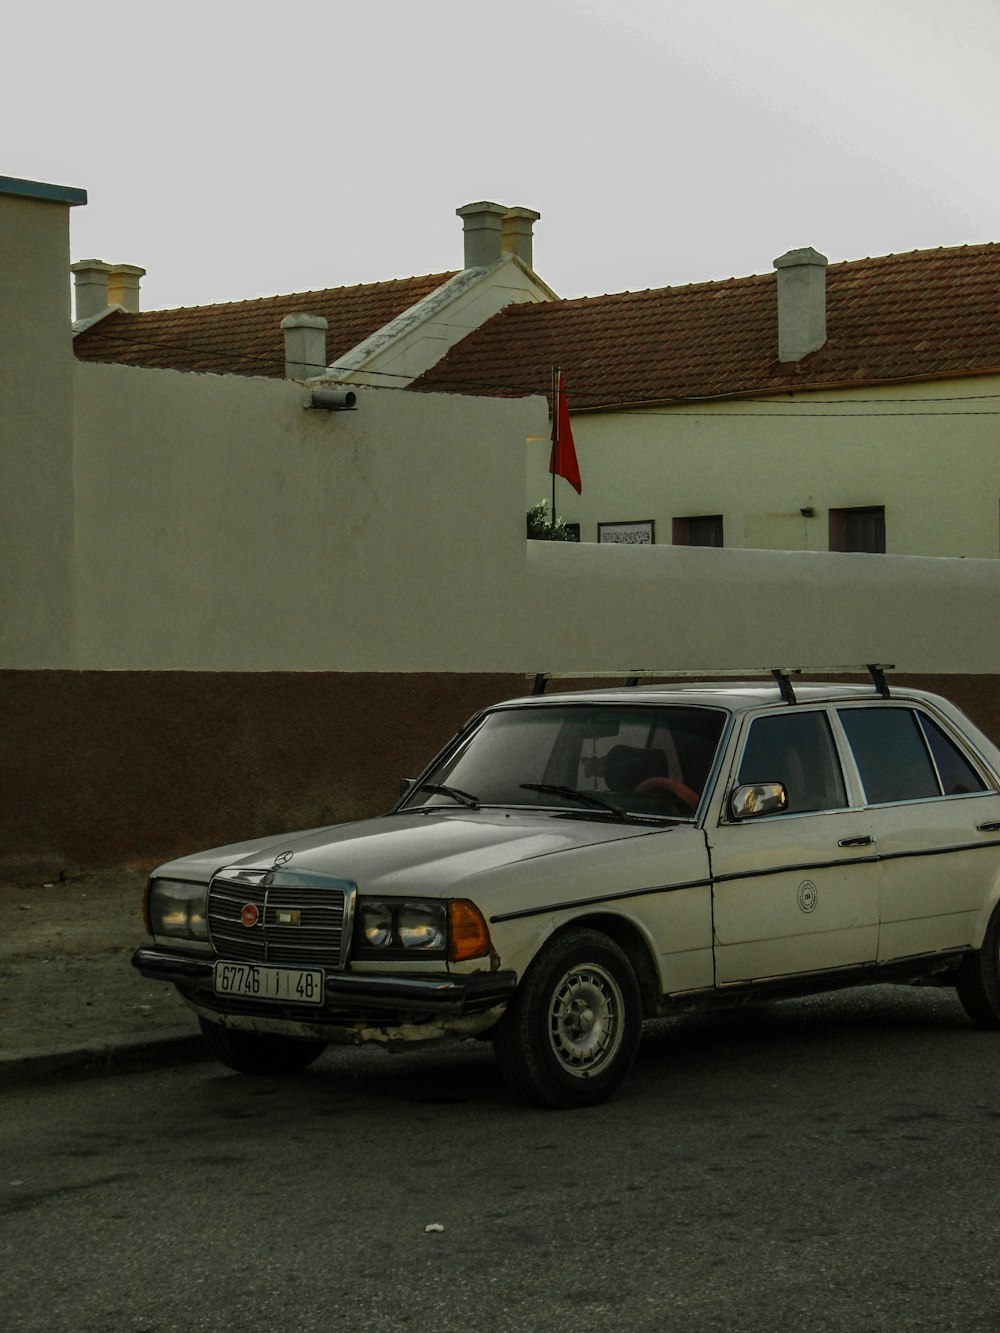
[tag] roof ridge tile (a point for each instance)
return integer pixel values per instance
(325, 292)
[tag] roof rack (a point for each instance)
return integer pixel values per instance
(781, 676)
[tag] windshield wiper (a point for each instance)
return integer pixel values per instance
(456, 794)
(584, 797)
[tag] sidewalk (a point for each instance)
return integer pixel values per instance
(71, 1004)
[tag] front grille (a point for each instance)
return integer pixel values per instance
(302, 919)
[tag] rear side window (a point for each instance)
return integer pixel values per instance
(956, 773)
(797, 750)
(892, 756)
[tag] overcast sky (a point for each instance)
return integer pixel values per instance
(239, 149)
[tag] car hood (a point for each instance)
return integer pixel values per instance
(430, 853)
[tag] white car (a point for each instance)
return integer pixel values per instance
(571, 864)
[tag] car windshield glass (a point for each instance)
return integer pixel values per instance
(644, 760)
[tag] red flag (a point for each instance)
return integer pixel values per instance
(562, 461)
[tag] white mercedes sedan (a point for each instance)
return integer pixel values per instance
(571, 864)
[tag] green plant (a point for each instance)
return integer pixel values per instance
(541, 530)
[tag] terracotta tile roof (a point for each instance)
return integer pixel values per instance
(244, 337)
(927, 313)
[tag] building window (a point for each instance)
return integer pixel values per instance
(858, 529)
(701, 530)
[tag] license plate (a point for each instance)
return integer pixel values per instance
(248, 981)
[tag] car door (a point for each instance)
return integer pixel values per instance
(795, 891)
(936, 823)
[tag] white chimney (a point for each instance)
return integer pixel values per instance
(801, 303)
(483, 223)
(90, 287)
(123, 286)
(305, 346)
(516, 232)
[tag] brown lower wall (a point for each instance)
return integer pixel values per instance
(110, 768)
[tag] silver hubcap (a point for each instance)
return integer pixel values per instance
(585, 1020)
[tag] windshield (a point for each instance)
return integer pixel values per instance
(600, 760)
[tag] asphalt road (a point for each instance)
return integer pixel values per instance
(828, 1164)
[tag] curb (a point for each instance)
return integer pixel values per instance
(100, 1062)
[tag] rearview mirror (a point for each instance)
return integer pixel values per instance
(758, 798)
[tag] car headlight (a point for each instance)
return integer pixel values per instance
(376, 927)
(177, 909)
(401, 927)
(397, 928)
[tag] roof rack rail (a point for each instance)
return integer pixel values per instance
(781, 676)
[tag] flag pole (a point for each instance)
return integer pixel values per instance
(555, 441)
(563, 462)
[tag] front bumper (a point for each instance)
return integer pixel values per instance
(349, 997)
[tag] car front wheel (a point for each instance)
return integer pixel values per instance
(978, 980)
(572, 1029)
(259, 1052)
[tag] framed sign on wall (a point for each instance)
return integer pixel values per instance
(641, 532)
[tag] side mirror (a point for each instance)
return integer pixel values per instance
(406, 785)
(758, 798)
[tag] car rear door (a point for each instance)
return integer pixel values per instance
(796, 891)
(936, 822)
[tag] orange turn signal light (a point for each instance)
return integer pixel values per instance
(468, 933)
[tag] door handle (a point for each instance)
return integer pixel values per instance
(865, 841)
(991, 826)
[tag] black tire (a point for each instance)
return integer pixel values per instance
(259, 1052)
(978, 980)
(571, 1032)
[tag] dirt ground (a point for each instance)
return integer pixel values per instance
(65, 979)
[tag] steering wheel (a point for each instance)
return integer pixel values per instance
(676, 797)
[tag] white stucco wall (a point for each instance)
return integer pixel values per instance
(220, 526)
(152, 520)
(684, 608)
(36, 442)
(930, 453)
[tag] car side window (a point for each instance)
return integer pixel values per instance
(892, 756)
(957, 775)
(797, 750)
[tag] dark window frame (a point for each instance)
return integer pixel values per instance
(861, 528)
(694, 528)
